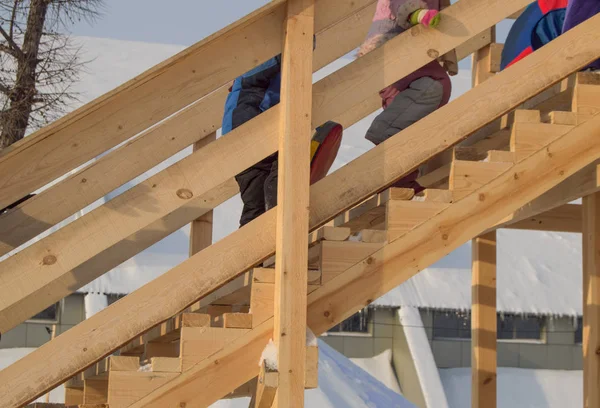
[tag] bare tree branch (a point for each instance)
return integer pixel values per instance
(11, 42)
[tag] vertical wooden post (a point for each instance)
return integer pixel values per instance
(483, 322)
(591, 301)
(293, 200)
(201, 231)
(480, 62)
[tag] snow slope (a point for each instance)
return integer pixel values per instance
(342, 384)
(519, 388)
(422, 356)
(380, 367)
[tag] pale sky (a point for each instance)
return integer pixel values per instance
(181, 22)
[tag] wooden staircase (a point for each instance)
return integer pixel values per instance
(169, 346)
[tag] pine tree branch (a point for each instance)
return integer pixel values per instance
(11, 42)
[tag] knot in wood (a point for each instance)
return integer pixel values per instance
(598, 351)
(49, 260)
(370, 260)
(182, 405)
(433, 53)
(445, 237)
(482, 197)
(327, 314)
(184, 194)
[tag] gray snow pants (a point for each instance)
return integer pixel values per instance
(422, 97)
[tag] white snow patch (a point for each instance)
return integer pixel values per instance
(11, 355)
(422, 356)
(538, 273)
(342, 384)
(380, 367)
(94, 303)
(519, 388)
(269, 356)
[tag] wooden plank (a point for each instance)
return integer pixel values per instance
(392, 265)
(501, 156)
(473, 44)
(266, 388)
(371, 213)
(329, 233)
(335, 257)
(216, 313)
(153, 349)
(527, 138)
(73, 396)
(566, 218)
(481, 63)
(403, 216)
(449, 60)
(166, 365)
(95, 391)
(467, 176)
(157, 144)
(591, 300)
(126, 387)
(495, 57)
(237, 321)
(262, 302)
(586, 100)
(312, 367)
(435, 195)
(368, 174)
(204, 170)
(197, 343)
(562, 118)
(483, 326)
(123, 363)
(267, 275)
(152, 96)
(292, 204)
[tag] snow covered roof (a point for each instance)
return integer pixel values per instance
(538, 273)
(519, 388)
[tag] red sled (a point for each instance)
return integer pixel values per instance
(324, 148)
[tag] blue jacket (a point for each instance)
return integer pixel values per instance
(253, 93)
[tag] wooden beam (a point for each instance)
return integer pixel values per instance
(291, 259)
(196, 175)
(482, 62)
(392, 265)
(126, 387)
(565, 218)
(468, 176)
(351, 184)
(152, 96)
(158, 143)
(266, 388)
(591, 300)
(483, 326)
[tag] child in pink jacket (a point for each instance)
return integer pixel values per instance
(416, 95)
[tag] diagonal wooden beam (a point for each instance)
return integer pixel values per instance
(98, 336)
(44, 272)
(390, 266)
(150, 97)
(565, 218)
(154, 145)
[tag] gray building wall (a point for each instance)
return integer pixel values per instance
(556, 351)
(34, 334)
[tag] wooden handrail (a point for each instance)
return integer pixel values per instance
(150, 97)
(156, 144)
(70, 257)
(100, 335)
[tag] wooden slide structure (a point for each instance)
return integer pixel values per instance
(513, 152)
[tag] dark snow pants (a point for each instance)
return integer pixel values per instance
(422, 97)
(258, 188)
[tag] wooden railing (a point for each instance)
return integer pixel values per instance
(61, 263)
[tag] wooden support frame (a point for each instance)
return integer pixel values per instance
(341, 190)
(591, 300)
(483, 326)
(336, 37)
(394, 264)
(191, 182)
(293, 186)
(152, 96)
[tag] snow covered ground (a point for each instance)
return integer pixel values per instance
(519, 388)
(342, 384)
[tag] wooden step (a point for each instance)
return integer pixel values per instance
(468, 176)
(501, 156)
(127, 387)
(528, 137)
(197, 343)
(586, 97)
(371, 213)
(403, 216)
